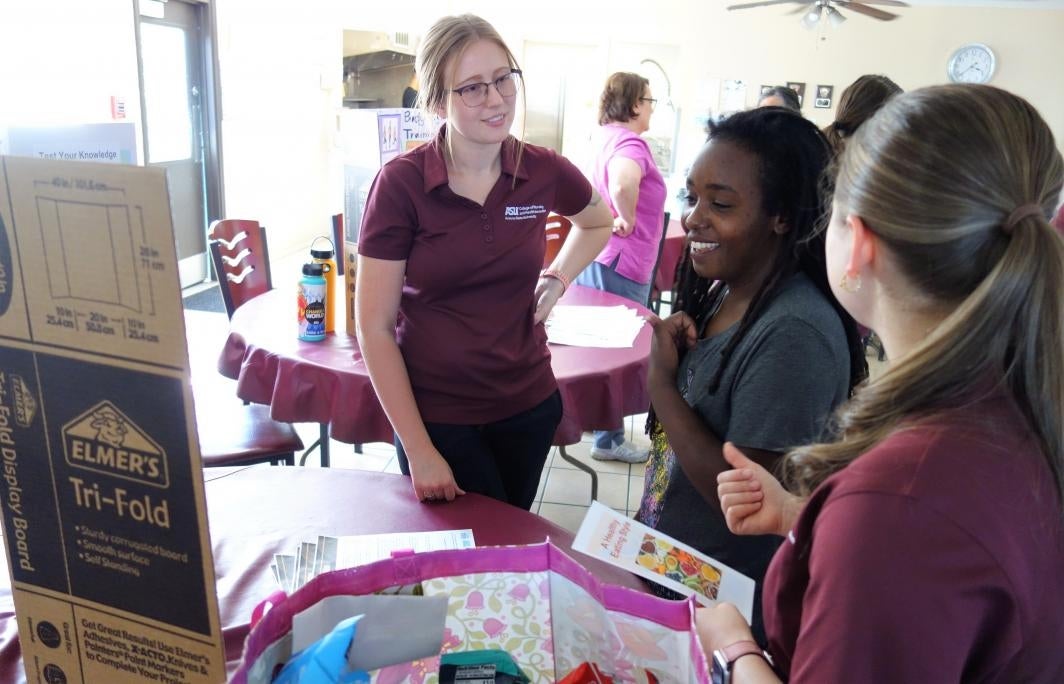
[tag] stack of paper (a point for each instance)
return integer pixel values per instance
(335, 553)
(594, 326)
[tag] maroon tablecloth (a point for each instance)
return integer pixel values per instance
(256, 512)
(671, 252)
(327, 381)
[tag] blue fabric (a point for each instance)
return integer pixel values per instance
(607, 279)
(608, 440)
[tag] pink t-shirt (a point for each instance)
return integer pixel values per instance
(639, 251)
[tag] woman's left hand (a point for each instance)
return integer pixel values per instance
(721, 625)
(548, 291)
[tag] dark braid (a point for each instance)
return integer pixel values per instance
(793, 157)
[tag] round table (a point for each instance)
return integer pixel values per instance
(256, 512)
(327, 382)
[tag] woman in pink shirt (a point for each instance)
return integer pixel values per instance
(625, 174)
(926, 542)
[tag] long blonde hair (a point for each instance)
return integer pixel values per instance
(938, 176)
(443, 46)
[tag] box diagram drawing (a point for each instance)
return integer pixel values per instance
(91, 252)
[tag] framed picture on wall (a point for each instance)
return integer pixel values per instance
(823, 96)
(798, 88)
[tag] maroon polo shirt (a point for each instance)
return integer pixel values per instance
(465, 324)
(938, 556)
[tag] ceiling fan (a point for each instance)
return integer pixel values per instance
(813, 12)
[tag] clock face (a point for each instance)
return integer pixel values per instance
(971, 64)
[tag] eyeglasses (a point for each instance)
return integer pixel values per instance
(474, 94)
(653, 102)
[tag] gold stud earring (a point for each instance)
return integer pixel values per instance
(851, 282)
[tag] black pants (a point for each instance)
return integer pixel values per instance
(503, 459)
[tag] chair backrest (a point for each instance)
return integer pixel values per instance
(241, 260)
(556, 231)
(654, 297)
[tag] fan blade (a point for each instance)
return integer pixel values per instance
(868, 11)
(762, 3)
(890, 3)
(801, 9)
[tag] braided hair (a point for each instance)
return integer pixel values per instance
(793, 159)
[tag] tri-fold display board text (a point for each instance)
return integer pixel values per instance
(102, 492)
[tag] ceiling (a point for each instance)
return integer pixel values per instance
(1018, 4)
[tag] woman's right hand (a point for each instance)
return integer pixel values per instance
(432, 477)
(753, 501)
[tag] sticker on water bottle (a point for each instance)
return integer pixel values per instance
(315, 317)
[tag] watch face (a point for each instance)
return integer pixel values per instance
(971, 64)
(720, 673)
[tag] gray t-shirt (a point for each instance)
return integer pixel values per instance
(782, 382)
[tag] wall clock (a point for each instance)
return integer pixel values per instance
(971, 63)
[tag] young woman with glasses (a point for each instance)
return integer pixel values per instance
(625, 174)
(450, 293)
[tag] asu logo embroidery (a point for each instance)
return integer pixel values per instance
(105, 440)
(524, 212)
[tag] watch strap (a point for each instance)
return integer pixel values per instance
(733, 652)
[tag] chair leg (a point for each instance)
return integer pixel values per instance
(587, 469)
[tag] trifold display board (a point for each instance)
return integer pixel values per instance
(102, 494)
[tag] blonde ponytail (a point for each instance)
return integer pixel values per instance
(963, 211)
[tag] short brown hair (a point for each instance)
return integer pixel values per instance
(620, 96)
(857, 104)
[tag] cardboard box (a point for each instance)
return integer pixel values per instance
(102, 491)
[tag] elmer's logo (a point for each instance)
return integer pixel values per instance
(105, 440)
(25, 403)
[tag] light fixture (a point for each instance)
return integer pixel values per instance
(834, 16)
(668, 83)
(811, 18)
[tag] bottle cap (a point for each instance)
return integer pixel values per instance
(313, 270)
(321, 253)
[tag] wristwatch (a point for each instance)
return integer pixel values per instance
(724, 659)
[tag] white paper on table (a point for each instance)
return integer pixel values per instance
(419, 619)
(594, 326)
(361, 549)
(618, 540)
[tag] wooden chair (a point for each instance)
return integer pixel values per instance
(654, 297)
(556, 231)
(241, 260)
(232, 433)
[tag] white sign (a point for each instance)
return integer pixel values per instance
(113, 143)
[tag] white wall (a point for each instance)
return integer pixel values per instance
(62, 60)
(769, 46)
(281, 82)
